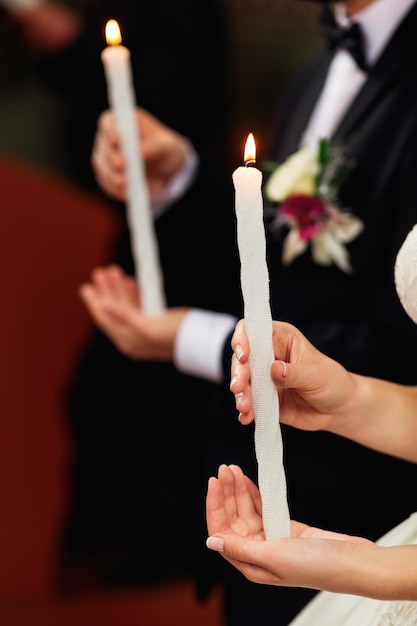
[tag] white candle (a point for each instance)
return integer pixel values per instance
(121, 95)
(258, 323)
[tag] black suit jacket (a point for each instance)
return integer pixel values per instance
(356, 319)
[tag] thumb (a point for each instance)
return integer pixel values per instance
(215, 543)
(249, 556)
(282, 373)
(237, 548)
(120, 310)
(300, 376)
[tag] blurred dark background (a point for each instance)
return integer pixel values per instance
(47, 214)
(269, 40)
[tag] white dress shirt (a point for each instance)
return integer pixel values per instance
(200, 341)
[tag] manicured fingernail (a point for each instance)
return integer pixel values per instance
(284, 368)
(215, 543)
(239, 399)
(238, 352)
(233, 381)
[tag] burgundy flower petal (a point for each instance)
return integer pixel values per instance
(308, 212)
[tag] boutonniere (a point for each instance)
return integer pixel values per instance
(305, 189)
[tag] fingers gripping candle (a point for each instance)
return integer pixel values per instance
(118, 72)
(258, 322)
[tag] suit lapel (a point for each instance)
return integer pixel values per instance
(303, 98)
(388, 70)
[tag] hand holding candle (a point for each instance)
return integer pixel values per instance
(116, 61)
(258, 322)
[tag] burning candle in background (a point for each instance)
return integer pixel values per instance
(121, 95)
(258, 322)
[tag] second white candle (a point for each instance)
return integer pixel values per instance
(121, 95)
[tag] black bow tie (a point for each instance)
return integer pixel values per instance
(351, 39)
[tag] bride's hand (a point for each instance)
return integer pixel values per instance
(314, 390)
(311, 557)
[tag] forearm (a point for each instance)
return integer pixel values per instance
(383, 573)
(383, 416)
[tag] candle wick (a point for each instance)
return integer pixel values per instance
(249, 163)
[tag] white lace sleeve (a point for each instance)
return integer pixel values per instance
(400, 614)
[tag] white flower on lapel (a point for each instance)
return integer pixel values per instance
(305, 188)
(297, 175)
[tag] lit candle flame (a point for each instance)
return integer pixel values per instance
(250, 150)
(113, 36)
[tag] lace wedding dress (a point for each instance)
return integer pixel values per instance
(335, 609)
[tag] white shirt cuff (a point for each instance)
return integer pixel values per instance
(178, 184)
(199, 345)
